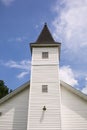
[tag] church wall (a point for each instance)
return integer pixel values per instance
(14, 112)
(49, 119)
(74, 111)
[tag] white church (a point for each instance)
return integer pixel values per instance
(45, 102)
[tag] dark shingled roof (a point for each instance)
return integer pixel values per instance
(45, 35)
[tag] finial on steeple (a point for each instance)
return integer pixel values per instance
(45, 24)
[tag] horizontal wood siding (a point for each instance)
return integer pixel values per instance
(44, 72)
(14, 112)
(74, 111)
(53, 56)
(50, 119)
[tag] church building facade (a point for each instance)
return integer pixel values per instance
(45, 102)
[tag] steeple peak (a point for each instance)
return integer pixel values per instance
(45, 35)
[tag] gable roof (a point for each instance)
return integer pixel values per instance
(27, 84)
(74, 90)
(45, 35)
(16, 91)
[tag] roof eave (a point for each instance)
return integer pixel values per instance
(74, 90)
(52, 44)
(16, 91)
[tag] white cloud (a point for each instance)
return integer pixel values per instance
(67, 75)
(86, 78)
(23, 65)
(70, 28)
(7, 2)
(70, 23)
(18, 39)
(36, 26)
(22, 75)
(84, 90)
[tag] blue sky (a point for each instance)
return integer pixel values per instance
(21, 22)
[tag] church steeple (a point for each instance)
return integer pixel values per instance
(45, 39)
(44, 97)
(45, 35)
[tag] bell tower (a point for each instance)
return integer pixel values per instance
(44, 96)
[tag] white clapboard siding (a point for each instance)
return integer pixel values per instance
(50, 119)
(52, 54)
(14, 112)
(74, 111)
(44, 72)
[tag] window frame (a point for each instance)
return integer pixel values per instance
(44, 88)
(45, 55)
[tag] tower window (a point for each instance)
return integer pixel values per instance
(44, 55)
(44, 88)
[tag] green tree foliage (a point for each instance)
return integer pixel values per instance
(4, 90)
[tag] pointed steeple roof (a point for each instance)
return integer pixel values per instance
(45, 35)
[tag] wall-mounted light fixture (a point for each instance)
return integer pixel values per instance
(44, 108)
